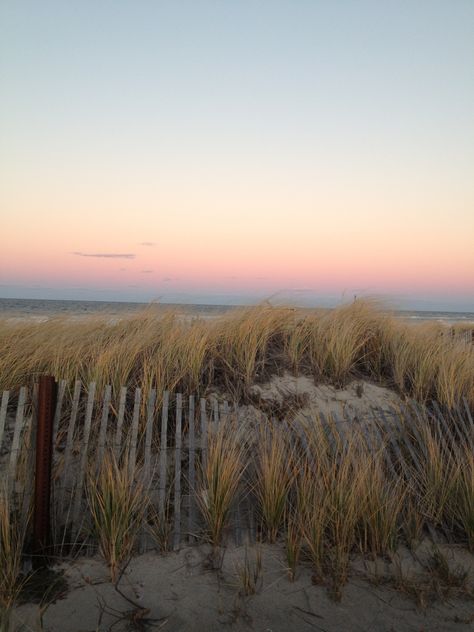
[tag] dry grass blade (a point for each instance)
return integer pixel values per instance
(12, 540)
(220, 478)
(117, 504)
(460, 505)
(275, 472)
(381, 504)
(293, 542)
(160, 346)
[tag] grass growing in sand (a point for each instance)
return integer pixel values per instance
(226, 461)
(328, 497)
(329, 502)
(117, 505)
(12, 541)
(168, 349)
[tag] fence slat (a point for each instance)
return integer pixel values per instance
(29, 441)
(215, 410)
(163, 455)
(191, 470)
(15, 448)
(103, 424)
(69, 440)
(83, 462)
(133, 441)
(57, 413)
(3, 413)
(203, 434)
(121, 415)
(177, 473)
(150, 410)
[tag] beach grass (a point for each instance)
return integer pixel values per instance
(173, 350)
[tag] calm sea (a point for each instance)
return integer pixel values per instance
(40, 309)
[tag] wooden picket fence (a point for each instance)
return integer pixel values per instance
(165, 436)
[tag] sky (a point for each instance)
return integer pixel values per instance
(228, 151)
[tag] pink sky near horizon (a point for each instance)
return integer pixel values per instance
(339, 163)
(317, 255)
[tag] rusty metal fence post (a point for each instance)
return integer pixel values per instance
(44, 451)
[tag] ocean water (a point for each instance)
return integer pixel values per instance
(41, 309)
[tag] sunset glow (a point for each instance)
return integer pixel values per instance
(237, 150)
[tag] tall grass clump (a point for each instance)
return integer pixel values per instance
(460, 505)
(275, 472)
(434, 477)
(247, 342)
(12, 540)
(382, 501)
(312, 515)
(226, 461)
(343, 481)
(341, 341)
(169, 348)
(117, 504)
(293, 541)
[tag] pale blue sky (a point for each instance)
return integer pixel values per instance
(169, 121)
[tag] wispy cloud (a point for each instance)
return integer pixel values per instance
(106, 255)
(146, 271)
(147, 243)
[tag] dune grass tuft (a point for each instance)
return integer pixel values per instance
(220, 479)
(117, 505)
(167, 347)
(12, 541)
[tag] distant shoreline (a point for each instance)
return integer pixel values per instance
(34, 308)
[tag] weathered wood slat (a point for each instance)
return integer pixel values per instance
(103, 424)
(121, 415)
(148, 473)
(57, 412)
(15, 448)
(3, 414)
(163, 455)
(69, 441)
(150, 413)
(225, 410)
(28, 442)
(133, 441)
(83, 461)
(191, 470)
(203, 433)
(177, 473)
(215, 411)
